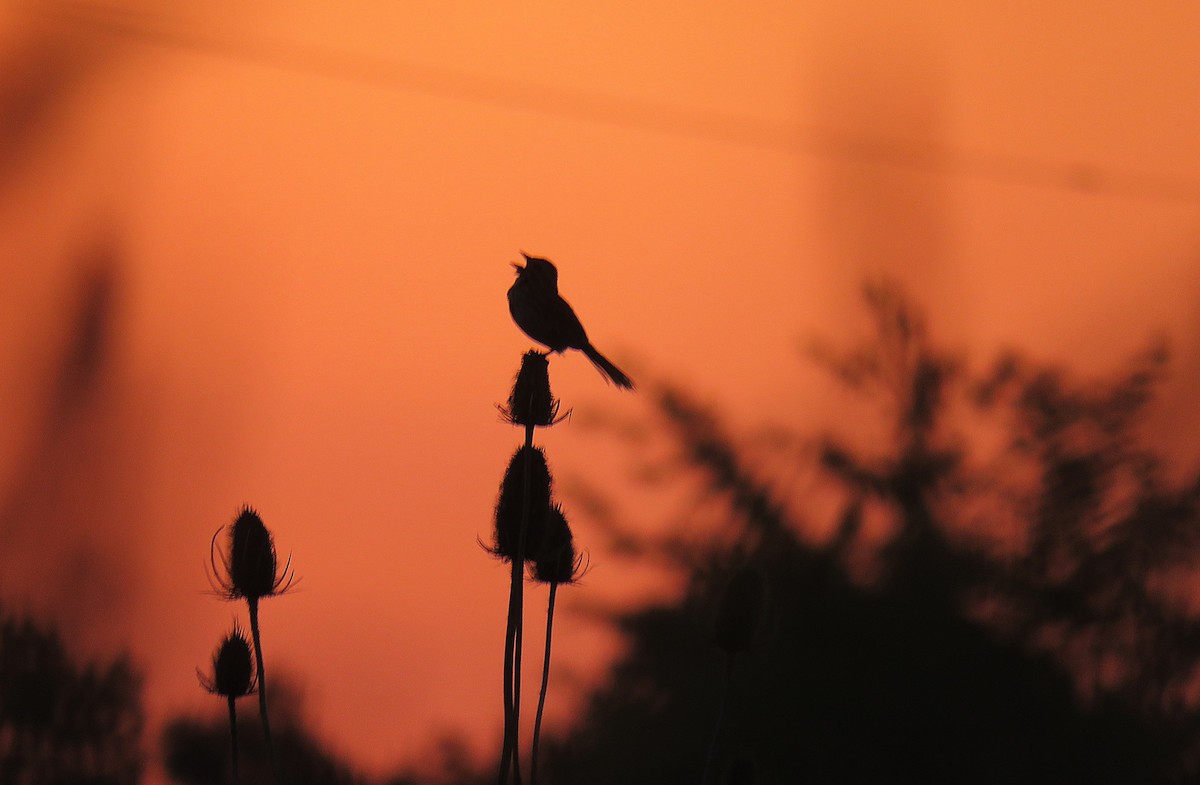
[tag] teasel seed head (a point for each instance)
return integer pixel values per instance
(556, 561)
(510, 504)
(741, 610)
(233, 667)
(531, 403)
(249, 569)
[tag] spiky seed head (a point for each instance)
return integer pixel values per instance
(741, 609)
(511, 503)
(233, 667)
(531, 403)
(556, 560)
(247, 568)
(252, 561)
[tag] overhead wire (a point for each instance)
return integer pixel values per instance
(630, 112)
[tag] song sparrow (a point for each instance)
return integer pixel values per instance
(539, 310)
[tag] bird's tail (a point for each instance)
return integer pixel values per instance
(610, 371)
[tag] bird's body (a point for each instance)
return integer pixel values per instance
(541, 312)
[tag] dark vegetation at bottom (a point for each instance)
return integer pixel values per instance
(851, 686)
(196, 751)
(65, 722)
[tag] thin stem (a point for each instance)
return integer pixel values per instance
(510, 759)
(262, 687)
(519, 574)
(537, 723)
(509, 648)
(716, 731)
(233, 748)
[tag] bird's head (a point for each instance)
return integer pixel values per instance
(538, 270)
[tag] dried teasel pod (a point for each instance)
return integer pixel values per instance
(249, 568)
(531, 403)
(556, 560)
(510, 505)
(232, 667)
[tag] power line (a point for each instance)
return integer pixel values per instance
(633, 113)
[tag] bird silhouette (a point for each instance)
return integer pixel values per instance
(542, 314)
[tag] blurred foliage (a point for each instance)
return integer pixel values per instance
(196, 750)
(450, 762)
(62, 723)
(1022, 617)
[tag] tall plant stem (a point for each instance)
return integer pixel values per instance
(509, 648)
(262, 687)
(510, 642)
(716, 731)
(537, 723)
(510, 759)
(233, 747)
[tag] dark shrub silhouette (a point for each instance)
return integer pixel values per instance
(1019, 619)
(196, 750)
(64, 722)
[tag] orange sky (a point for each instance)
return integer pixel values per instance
(313, 208)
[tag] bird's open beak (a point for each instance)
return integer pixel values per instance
(517, 267)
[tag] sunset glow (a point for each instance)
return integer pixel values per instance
(302, 216)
